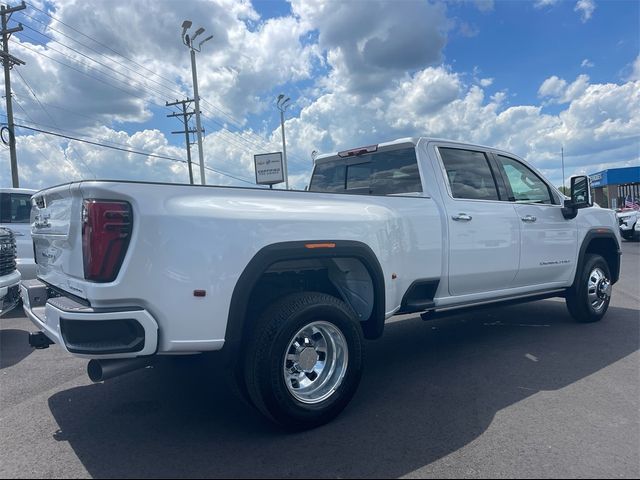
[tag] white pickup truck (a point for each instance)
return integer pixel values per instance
(289, 282)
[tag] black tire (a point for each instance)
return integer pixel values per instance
(268, 345)
(577, 297)
(627, 235)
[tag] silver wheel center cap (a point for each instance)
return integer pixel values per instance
(308, 359)
(604, 289)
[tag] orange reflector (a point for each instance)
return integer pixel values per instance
(320, 245)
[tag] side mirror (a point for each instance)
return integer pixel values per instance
(581, 192)
(580, 196)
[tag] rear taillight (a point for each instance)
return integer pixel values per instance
(106, 230)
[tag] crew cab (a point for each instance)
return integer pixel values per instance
(288, 283)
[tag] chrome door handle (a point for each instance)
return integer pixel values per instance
(529, 219)
(462, 217)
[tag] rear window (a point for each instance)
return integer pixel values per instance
(15, 207)
(381, 173)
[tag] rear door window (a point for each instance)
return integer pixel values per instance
(469, 174)
(15, 207)
(381, 173)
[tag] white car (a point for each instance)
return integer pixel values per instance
(628, 220)
(288, 283)
(9, 276)
(15, 208)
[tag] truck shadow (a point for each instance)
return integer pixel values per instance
(428, 390)
(14, 347)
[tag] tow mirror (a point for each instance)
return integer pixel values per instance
(581, 192)
(580, 196)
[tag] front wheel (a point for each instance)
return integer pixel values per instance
(304, 360)
(588, 299)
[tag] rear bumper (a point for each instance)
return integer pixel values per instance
(88, 332)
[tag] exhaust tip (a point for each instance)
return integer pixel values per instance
(94, 370)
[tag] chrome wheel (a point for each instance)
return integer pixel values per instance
(315, 362)
(598, 289)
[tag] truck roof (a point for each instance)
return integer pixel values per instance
(404, 141)
(18, 190)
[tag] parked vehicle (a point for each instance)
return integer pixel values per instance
(15, 208)
(288, 283)
(9, 276)
(628, 220)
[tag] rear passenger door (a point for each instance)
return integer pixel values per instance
(484, 230)
(548, 240)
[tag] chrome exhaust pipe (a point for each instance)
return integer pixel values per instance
(101, 370)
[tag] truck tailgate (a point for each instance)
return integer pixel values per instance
(57, 239)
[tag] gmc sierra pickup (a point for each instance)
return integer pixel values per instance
(289, 282)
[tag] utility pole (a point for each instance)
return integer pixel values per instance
(188, 41)
(185, 120)
(8, 62)
(282, 104)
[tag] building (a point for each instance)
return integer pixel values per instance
(615, 186)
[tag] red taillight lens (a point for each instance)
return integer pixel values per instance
(106, 230)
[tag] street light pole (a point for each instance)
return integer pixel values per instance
(196, 98)
(562, 154)
(283, 104)
(188, 41)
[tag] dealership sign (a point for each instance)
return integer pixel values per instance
(269, 169)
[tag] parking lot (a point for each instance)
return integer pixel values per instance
(519, 391)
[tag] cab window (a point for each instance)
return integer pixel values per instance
(526, 185)
(15, 207)
(469, 174)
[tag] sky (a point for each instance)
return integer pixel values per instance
(531, 77)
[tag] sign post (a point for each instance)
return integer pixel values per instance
(269, 168)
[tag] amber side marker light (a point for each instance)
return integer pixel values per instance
(320, 245)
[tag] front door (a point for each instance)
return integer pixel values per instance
(548, 240)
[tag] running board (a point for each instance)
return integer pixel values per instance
(457, 309)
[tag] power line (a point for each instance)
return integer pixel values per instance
(239, 141)
(108, 67)
(147, 154)
(49, 115)
(133, 70)
(96, 41)
(38, 147)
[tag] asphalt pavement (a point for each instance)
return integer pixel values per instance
(519, 391)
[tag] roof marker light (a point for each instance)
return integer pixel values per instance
(358, 151)
(319, 245)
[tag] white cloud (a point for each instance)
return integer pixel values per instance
(635, 69)
(544, 3)
(586, 63)
(369, 44)
(559, 91)
(552, 87)
(355, 92)
(586, 9)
